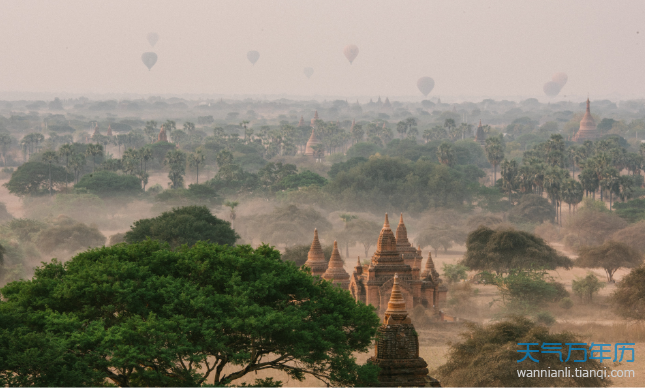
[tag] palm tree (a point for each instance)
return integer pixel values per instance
(77, 164)
(5, 140)
(346, 219)
(509, 177)
(494, 153)
(49, 157)
(232, 205)
(572, 193)
(446, 154)
(196, 160)
(554, 177)
(146, 155)
(609, 181)
(625, 187)
(401, 128)
(65, 151)
(94, 150)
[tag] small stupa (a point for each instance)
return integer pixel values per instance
(335, 271)
(301, 123)
(396, 351)
(316, 258)
(588, 130)
(430, 272)
(162, 135)
(109, 131)
(96, 131)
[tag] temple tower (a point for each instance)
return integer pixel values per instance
(301, 123)
(404, 246)
(109, 131)
(396, 351)
(335, 271)
(313, 140)
(480, 136)
(587, 129)
(96, 131)
(316, 258)
(162, 135)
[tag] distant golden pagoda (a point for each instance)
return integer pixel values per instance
(313, 140)
(162, 135)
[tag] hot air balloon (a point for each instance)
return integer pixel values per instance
(149, 59)
(425, 85)
(560, 79)
(551, 89)
(253, 56)
(350, 51)
(153, 37)
(309, 71)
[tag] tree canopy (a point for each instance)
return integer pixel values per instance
(33, 178)
(629, 297)
(505, 249)
(185, 225)
(144, 315)
(109, 184)
(610, 256)
(488, 357)
(532, 208)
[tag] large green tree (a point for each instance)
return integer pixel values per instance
(108, 184)
(185, 225)
(144, 315)
(505, 249)
(33, 178)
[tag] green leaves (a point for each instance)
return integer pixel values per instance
(141, 314)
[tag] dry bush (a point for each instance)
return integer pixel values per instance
(616, 332)
(590, 227)
(548, 231)
(633, 235)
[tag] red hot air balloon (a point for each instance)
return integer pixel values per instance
(308, 71)
(149, 59)
(551, 89)
(425, 85)
(560, 79)
(153, 37)
(350, 51)
(253, 56)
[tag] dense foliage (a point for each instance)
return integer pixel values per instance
(144, 315)
(506, 249)
(33, 178)
(185, 225)
(108, 184)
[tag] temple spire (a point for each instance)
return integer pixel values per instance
(396, 305)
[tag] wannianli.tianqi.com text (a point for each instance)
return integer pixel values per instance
(575, 372)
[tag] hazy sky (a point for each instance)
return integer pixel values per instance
(470, 48)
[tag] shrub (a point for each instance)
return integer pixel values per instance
(566, 303)
(586, 287)
(545, 318)
(629, 297)
(455, 272)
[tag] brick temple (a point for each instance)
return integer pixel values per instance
(396, 351)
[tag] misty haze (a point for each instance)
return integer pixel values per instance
(322, 193)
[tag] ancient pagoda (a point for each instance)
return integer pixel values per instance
(316, 258)
(480, 136)
(335, 270)
(408, 252)
(313, 141)
(587, 129)
(396, 351)
(372, 285)
(109, 131)
(162, 135)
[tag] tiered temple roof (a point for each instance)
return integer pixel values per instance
(335, 271)
(404, 246)
(316, 258)
(396, 351)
